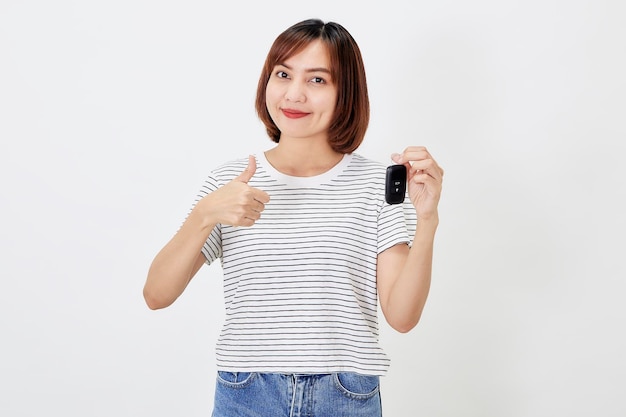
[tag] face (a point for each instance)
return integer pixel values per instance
(301, 94)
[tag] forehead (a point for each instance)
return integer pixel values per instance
(311, 54)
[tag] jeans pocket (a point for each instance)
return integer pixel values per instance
(235, 379)
(357, 386)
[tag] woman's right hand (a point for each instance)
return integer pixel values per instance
(236, 203)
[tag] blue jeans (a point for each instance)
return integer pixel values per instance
(243, 394)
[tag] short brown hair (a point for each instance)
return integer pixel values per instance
(352, 111)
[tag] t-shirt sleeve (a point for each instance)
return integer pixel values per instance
(212, 248)
(396, 224)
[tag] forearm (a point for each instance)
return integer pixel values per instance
(175, 265)
(234, 204)
(410, 290)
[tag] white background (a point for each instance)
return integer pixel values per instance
(112, 113)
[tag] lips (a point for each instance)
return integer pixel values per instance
(294, 114)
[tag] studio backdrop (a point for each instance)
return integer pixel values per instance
(112, 113)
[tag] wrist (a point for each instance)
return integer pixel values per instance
(427, 224)
(201, 217)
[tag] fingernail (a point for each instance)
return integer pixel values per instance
(395, 157)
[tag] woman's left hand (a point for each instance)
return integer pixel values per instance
(424, 178)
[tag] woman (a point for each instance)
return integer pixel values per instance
(307, 242)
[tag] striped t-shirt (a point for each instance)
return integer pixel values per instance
(300, 285)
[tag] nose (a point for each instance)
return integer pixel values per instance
(295, 92)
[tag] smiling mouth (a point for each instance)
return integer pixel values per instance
(294, 114)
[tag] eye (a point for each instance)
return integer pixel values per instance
(282, 74)
(318, 80)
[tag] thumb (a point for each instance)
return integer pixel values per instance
(248, 173)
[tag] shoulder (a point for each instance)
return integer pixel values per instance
(361, 162)
(228, 170)
(223, 173)
(231, 167)
(362, 166)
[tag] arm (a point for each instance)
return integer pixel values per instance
(177, 263)
(403, 274)
(403, 277)
(236, 203)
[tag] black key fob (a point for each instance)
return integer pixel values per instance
(395, 184)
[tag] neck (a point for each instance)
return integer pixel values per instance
(303, 159)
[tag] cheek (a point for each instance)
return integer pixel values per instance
(269, 99)
(329, 105)
(329, 101)
(272, 91)
(271, 103)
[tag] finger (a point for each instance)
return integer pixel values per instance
(431, 185)
(248, 173)
(412, 153)
(257, 206)
(416, 155)
(423, 177)
(246, 222)
(253, 215)
(246, 216)
(260, 196)
(427, 166)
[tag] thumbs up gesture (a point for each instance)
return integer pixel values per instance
(248, 173)
(236, 203)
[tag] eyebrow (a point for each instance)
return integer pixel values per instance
(317, 69)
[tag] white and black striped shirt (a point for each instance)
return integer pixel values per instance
(300, 285)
